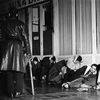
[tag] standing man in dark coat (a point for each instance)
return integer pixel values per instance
(13, 56)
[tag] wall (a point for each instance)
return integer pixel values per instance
(84, 39)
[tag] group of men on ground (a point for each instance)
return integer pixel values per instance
(63, 72)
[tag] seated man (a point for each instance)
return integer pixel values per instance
(67, 72)
(55, 74)
(47, 63)
(36, 70)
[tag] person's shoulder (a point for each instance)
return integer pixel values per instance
(15, 21)
(21, 22)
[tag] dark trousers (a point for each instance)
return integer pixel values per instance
(12, 82)
(72, 75)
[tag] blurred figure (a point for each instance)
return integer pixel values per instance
(47, 63)
(85, 80)
(16, 44)
(75, 62)
(36, 70)
(55, 73)
(52, 62)
(76, 71)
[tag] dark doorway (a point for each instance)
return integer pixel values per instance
(36, 31)
(47, 34)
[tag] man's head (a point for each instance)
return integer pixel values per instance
(13, 12)
(52, 59)
(93, 68)
(35, 60)
(78, 59)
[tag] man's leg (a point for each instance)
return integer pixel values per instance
(81, 71)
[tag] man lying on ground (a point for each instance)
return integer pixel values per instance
(85, 81)
(74, 70)
(61, 73)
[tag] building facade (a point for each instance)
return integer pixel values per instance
(63, 28)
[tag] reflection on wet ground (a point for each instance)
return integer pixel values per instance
(56, 93)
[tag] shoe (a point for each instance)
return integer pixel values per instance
(98, 87)
(83, 89)
(65, 85)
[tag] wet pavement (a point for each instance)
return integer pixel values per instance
(56, 93)
(53, 92)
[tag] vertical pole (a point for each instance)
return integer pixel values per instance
(32, 84)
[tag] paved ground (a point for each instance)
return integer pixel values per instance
(52, 92)
(57, 93)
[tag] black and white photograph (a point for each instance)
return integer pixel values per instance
(49, 50)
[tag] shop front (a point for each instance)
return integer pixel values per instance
(38, 18)
(61, 27)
